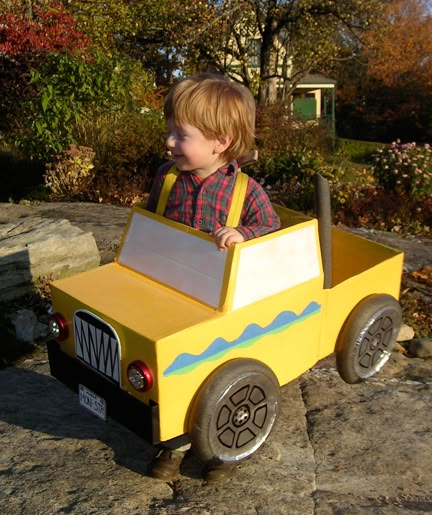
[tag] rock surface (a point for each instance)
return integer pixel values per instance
(105, 222)
(336, 448)
(31, 247)
(421, 347)
(406, 333)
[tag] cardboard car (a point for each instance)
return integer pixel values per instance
(180, 341)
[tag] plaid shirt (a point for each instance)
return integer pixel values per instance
(205, 204)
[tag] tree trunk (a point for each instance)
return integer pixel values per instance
(267, 91)
(267, 94)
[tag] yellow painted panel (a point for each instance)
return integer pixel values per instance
(133, 346)
(289, 217)
(353, 254)
(383, 277)
(134, 301)
(282, 331)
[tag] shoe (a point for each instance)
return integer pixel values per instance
(220, 471)
(166, 465)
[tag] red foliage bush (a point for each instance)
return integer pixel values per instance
(50, 29)
(24, 43)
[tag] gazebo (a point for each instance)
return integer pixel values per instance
(314, 99)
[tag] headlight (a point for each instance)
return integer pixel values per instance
(58, 327)
(140, 376)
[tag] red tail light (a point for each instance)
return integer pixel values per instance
(58, 327)
(140, 376)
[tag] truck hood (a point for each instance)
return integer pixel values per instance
(136, 302)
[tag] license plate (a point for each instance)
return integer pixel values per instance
(92, 402)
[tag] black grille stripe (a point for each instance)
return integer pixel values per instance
(97, 345)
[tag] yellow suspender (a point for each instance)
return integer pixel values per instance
(167, 185)
(237, 201)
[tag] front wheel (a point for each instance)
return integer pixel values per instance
(234, 411)
(368, 337)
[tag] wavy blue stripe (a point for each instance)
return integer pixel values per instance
(253, 331)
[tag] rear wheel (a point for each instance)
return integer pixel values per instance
(368, 337)
(234, 412)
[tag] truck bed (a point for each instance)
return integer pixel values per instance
(352, 255)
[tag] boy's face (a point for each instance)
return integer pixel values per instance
(192, 151)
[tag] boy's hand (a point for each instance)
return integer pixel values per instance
(227, 236)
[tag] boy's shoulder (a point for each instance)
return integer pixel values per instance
(165, 167)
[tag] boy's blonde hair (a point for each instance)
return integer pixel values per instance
(217, 107)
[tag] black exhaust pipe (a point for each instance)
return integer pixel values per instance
(323, 213)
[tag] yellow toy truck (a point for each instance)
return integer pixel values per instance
(176, 339)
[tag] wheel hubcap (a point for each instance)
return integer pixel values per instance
(241, 416)
(244, 420)
(373, 346)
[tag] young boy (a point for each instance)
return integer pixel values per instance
(211, 125)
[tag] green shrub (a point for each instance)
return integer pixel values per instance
(356, 150)
(129, 148)
(70, 174)
(404, 169)
(290, 153)
(126, 150)
(65, 89)
(279, 132)
(301, 164)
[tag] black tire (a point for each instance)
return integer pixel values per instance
(368, 337)
(234, 411)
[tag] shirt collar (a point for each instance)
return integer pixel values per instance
(230, 168)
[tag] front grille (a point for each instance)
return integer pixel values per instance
(97, 344)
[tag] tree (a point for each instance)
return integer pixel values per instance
(165, 36)
(385, 93)
(286, 38)
(106, 23)
(294, 36)
(409, 22)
